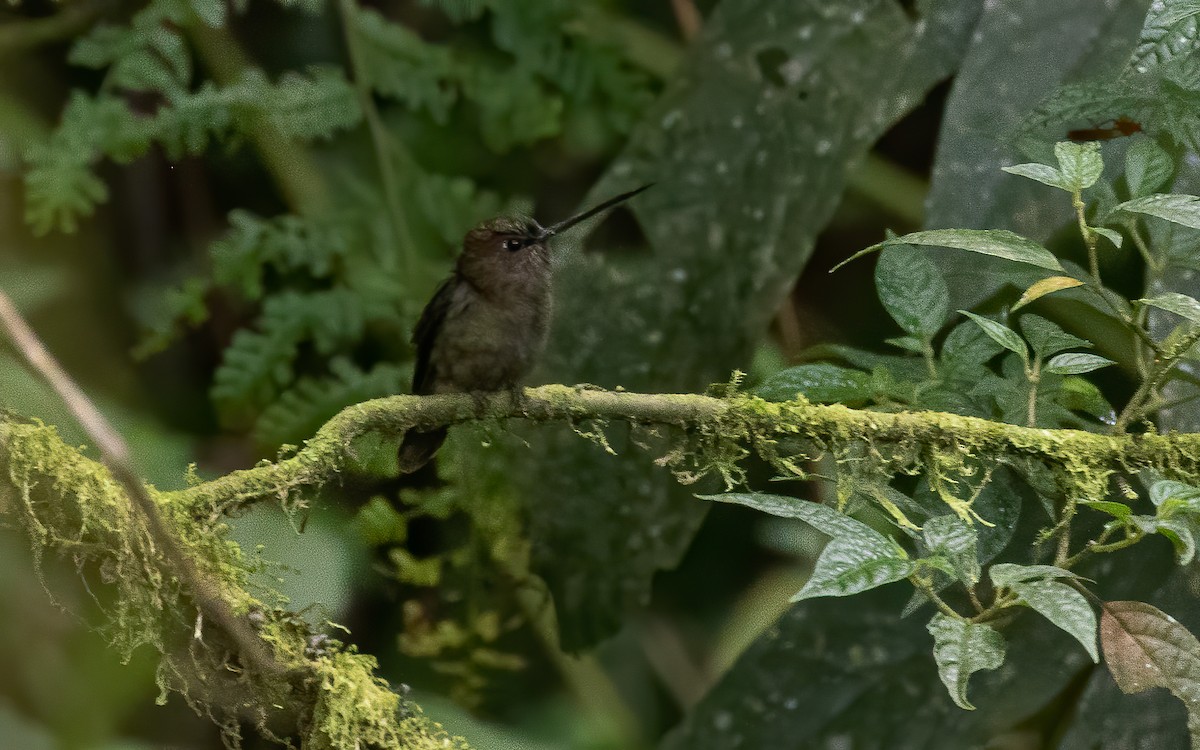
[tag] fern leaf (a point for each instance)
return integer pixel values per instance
(60, 186)
(305, 106)
(176, 309)
(302, 409)
(399, 64)
(458, 11)
(147, 55)
(285, 243)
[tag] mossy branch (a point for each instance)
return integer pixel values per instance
(1089, 458)
(330, 696)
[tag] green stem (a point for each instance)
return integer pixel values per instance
(926, 588)
(384, 145)
(290, 164)
(1146, 392)
(1089, 237)
(1034, 375)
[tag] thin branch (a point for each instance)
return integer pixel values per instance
(115, 454)
(290, 164)
(20, 36)
(386, 148)
(323, 457)
(688, 17)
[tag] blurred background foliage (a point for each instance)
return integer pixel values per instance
(225, 217)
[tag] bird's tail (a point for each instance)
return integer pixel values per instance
(418, 448)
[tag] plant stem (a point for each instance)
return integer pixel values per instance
(205, 592)
(926, 588)
(385, 146)
(1089, 237)
(1034, 375)
(290, 164)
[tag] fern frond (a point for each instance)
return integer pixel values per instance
(175, 309)
(306, 106)
(147, 55)
(399, 64)
(259, 364)
(300, 410)
(286, 243)
(60, 186)
(458, 11)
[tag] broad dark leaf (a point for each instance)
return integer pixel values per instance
(749, 147)
(1145, 648)
(1040, 45)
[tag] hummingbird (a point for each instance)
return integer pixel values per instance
(487, 323)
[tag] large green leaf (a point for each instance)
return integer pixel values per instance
(961, 649)
(1175, 208)
(1022, 51)
(913, 290)
(750, 147)
(998, 243)
(820, 381)
(856, 559)
(1065, 607)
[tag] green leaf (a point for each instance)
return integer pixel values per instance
(1116, 510)
(907, 343)
(1006, 575)
(962, 649)
(820, 382)
(1166, 490)
(1180, 304)
(1111, 235)
(1147, 167)
(999, 243)
(1047, 338)
(1146, 648)
(1080, 163)
(1076, 363)
(1046, 286)
(968, 345)
(1063, 606)
(1001, 334)
(1081, 394)
(953, 538)
(1043, 173)
(856, 559)
(1164, 38)
(1178, 10)
(1181, 535)
(912, 290)
(1177, 209)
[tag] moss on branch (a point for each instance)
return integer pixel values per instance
(897, 441)
(73, 507)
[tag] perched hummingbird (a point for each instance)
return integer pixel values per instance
(487, 323)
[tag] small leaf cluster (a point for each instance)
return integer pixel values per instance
(1022, 368)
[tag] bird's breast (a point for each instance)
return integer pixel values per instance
(486, 344)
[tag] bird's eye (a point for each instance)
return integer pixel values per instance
(513, 245)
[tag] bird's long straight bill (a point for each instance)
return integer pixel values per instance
(566, 224)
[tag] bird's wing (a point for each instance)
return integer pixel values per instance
(426, 332)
